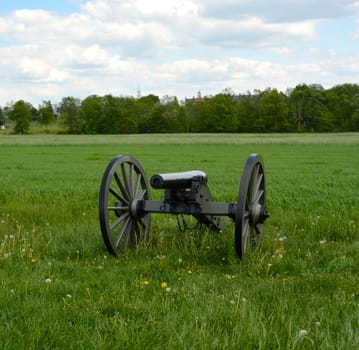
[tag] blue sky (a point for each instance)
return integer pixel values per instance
(53, 49)
(64, 6)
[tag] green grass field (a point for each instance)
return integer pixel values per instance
(60, 288)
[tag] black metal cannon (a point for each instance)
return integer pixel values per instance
(125, 205)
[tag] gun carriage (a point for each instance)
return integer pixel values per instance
(125, 205)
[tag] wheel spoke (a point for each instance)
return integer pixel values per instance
(122, 187)
(122, 231)
(137, 186)
(118, 208)
(258, 182)
(128, 234)
(117, 195)
(245, 234)
(142, 194)
(136, 232)
(258, 197)
(119, 220)
(131, 188)
(249, 193)
(142, 223)
(248, 201)
(125, 180)
(254, 182)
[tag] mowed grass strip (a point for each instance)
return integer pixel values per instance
(61, 289)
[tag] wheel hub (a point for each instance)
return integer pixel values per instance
(258, 214)
(133, 209)
(136, 209)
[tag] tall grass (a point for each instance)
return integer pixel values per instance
(60, 288)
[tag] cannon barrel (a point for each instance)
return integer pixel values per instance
(177, 180)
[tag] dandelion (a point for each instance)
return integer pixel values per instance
(232, 302)
(230, 277)
(161, 257)
(302, 333)
(163, 284)
(168, 289)
(48, 280)
(145, 283)
(33, 260)
(189, 272)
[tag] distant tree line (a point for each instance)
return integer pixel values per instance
(305, 108)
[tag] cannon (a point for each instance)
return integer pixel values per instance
(125, 205)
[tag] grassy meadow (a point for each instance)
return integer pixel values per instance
(60, 288)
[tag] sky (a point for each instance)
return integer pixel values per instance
(54, 49)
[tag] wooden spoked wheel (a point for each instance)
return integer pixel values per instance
(122, 221)
(251, 210)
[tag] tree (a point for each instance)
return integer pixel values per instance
(246, 110)
(144, 107)
(197, 111)
(273, 112)
(111, 115)
(355, 115)
(156, 121)
(346, 106)
(92, 114)
(221, 116)
(128, 115)
(46, 113)
(21, 114)
(70, 113)
(308, 108)
(173, 116)
(34, 112)
(2, 118)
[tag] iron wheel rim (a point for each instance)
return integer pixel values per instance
(123, 187)
(251, 209)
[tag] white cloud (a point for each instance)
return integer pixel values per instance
(165, 8)
(170, 46)
(280, 10)
(38, 70)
